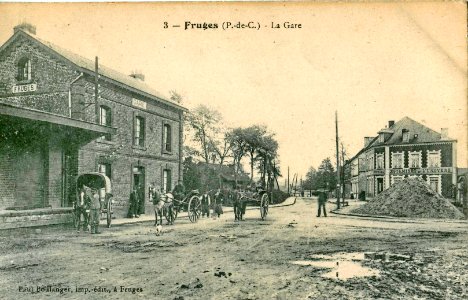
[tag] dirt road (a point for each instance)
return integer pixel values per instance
(289, 256)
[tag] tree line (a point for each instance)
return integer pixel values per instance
(207, 139)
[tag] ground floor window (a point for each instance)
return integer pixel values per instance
(167, 180)
(379, 184)
(435, 182)
(370, 186)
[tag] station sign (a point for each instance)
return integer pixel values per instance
(24, 88)
(139, 103)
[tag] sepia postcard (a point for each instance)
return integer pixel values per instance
(233, 150)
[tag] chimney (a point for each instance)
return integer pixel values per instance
(391, 123)
(138, 75)
(444, 134)
(367, 140)
(25, 27)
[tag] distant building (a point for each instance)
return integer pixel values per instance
(404, 149)
(62, 115)
(217, 176)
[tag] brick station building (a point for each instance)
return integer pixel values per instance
(403, 149)
(62, 115)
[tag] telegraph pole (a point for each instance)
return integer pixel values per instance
(288, 180)
(337, 164)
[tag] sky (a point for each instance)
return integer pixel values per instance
(369, 62)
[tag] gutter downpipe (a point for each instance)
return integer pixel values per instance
(69, 94)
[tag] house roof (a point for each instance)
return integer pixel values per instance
(225, 171)
(418, 133)
(88, 66)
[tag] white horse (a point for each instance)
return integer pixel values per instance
(163, 208)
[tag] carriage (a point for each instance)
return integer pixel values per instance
(191, 203)
(86, 182)
(260, 198)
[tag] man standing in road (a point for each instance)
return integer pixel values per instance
(95, 212)
(322, 200)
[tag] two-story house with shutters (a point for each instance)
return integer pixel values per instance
(404, 149)
(62, 115)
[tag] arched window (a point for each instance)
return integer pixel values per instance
(24, 69)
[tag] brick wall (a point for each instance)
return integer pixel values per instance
(120, 152)
(121, 177)
(51, 76)
(7, 178)
(54, 172)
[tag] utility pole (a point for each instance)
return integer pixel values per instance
(96, 89)
(288, 180)
(337, 164)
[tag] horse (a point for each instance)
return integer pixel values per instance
(167, 208)
(205, 204)
(162, 207)
(239, 205)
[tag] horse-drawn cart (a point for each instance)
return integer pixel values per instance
(84, 183)
(259, 198)
(191, 203)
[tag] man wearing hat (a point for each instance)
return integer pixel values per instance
(322, 200)
(95, 211)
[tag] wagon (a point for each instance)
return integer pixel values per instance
(97, 181)
(260, 198)
(191, 203)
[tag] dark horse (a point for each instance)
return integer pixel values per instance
(239, 204)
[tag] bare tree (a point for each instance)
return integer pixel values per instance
(204, 121)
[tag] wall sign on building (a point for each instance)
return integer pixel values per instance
(24, 88)
(445, 170)
(139, 103)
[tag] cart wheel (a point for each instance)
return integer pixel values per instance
(194, 209)
(109, 213)
(264, 201)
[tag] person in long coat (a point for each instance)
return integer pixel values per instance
(133, 201)
(322, 200)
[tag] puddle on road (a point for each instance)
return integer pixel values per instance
(343, 265)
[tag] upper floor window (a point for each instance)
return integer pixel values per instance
(370, 163)
(415, 159)
(167, 138)
(380, 161)
(433, 159)
(105, 118)
(397, 160)
(139, 131)
(381, 137)
(24, 69)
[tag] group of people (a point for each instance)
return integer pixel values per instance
(89, 208)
